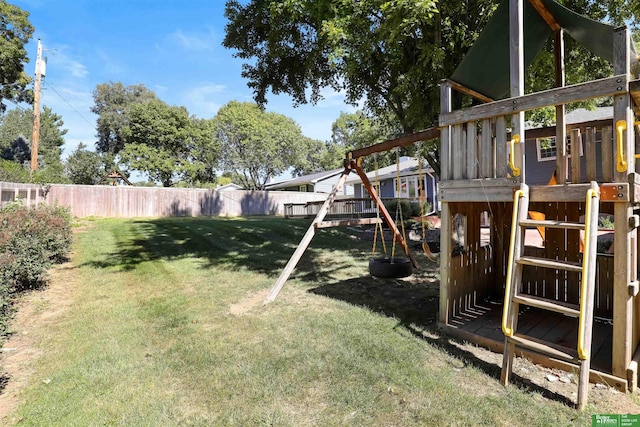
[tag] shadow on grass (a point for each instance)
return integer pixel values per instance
(261, 244)
(4, 381)
(415, 303)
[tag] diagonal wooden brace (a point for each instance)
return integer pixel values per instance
(385, 214)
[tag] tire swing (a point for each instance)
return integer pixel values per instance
(389, 267)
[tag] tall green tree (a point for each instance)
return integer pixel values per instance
(15, 32)
(163, 142)
(17, 124)
(316, 156)
(257, 145)
(84, 166)
(352, 131)
(391, 54)
(111, 101)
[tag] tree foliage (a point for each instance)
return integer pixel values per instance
(84, 166)
(163, 142)
(16, 128)
(316, 156)
(257, 145)
(15, 32)
(390, 54)
(111, 101)
(352, 131)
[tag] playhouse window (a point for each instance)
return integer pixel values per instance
(409, 187)
(546, 148)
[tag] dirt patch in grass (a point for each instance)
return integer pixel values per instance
(248, 303)
(34, 311)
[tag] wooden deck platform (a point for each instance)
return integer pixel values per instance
(482, 325)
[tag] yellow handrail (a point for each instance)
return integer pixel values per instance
(512, 155)
(621, 126)
(583, 353)
(512, 241)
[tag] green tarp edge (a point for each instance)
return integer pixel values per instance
(485, 68)
(595, 36)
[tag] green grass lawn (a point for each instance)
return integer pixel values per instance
(159, 331)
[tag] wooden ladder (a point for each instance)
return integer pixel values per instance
(580, 356)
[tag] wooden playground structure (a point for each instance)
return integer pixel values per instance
(563, 304)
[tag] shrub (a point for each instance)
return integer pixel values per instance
(410, 209)
(405, 207)
(31, 240)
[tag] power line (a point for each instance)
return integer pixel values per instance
(68, 103)
(16, 104)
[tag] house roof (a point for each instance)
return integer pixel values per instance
(229, 187)
(408, 166)
(581, 115)
(485, 67)
(305, 179)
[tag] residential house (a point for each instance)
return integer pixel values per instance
(540, 147)
(408, 172)
(319, 182)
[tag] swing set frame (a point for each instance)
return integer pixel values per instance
(353, 163)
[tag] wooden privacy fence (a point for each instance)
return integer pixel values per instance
(130, 202)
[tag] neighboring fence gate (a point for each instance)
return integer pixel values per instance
(29, 194)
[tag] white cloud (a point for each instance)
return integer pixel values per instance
(77, 69)
(110, 66)
(61, 62)
(203, 100)
(194, 41)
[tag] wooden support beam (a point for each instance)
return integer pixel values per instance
(561, 127)
(622, 110)
(383, 210)
(402, 141)
(516, 77)
(463, 89)
(615, 85)
(622, 346)
(546, 15)
(445, 133)
(445, 263)
(576, 143)
(306, 240)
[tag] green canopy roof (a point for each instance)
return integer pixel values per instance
(485, 68)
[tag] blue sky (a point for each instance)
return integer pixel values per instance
(172, 47)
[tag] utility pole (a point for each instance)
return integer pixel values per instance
(35, 138)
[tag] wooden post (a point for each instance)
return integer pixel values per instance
(445, 133)
(622, 302)
(304, 243)
(445, 215)
(576, 143)
(561, 125)
(35, 136)
(516, 62)
(622, 108)
(445, 262)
